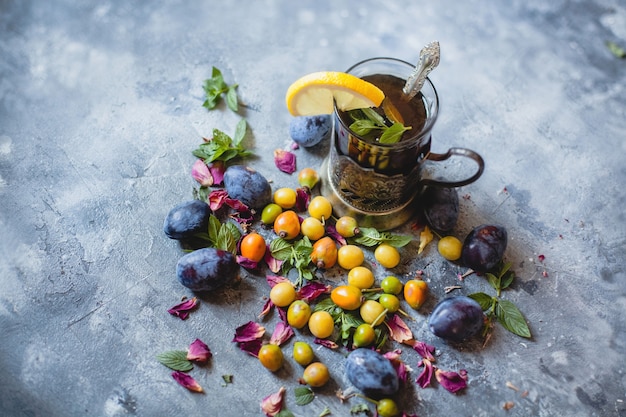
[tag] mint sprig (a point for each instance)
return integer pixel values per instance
(176, 360)
(214, 87)
(366, 120)
(296, 255)
(368, 236)
(222, 147)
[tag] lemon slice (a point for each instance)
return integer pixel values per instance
(314, 93)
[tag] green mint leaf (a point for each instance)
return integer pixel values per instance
(214, 229)
(231, 98)
(280, 249)
(396, 241)
(325, 412)
(512, 319)
(360, 408)
(493, 280)
(326, 305)
(285, 413)
(363, 127)
(485, 300)
(176, 360)
(304, 395)
(368, 236)
(228, 237)
(228, 379)
(393, 134)
(507, 279)
(240, 132)
(616, 50)
(222, 147)
(376, 118)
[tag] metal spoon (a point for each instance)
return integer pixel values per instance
(429, 59)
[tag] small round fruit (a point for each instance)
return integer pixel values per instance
(298, 314)
(456, 318)
(316, 374)
(350, 256)
(372, 312)
(348, 297)
(320, 208)
(308, 131)
(387, 255)
(303, 353)
(285, 197)
(287, 225)
(270, 212)
(248, 186)
(415, 292)
(371, 373)
(364, 335)
(390, 302)
(324, 253)
(484, 247)
(271, 357)
(391, 285)
(347, 226)
(387, 408)
(361, 277)
(283, 294)
(450, 248)
(308, 177)
(312, 228)
(321, 324)
(253, 246)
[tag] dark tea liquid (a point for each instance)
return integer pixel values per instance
(401, 157)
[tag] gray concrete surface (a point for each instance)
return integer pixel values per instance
(101, 105)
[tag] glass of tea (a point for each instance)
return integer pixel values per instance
(375, 176)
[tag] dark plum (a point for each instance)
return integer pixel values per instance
(308, 131)
(207, 269)
(484, 247)
(248, 186)
(372, 373)
(187, 219)
(441, 207)
(456, 319)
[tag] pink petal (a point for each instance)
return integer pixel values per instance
(275, 279)
(303, 196)
(217, 170)
(398, 329)
(247, 263)
(199, 351)
(312, 290)
(285, 161)
(282, 333)
(332, 232)
(273, 404)
(274, 264)
(248, 332)
(425, 350)
(217, 199)
(326, 343)
(398, 364)
(424, 379)
(282, 313)
(251, 347)
(267, 307)
(452, 381)
(186, 381)
(200, 172)
(182, 310)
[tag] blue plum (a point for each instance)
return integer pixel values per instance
(308, 131)
(372, 373)
(207, 269)
(484, 247)
(248, 186)
(186, 220)
(456, 319)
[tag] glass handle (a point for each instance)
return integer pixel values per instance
(467, 153)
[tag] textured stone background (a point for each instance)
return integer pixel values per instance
(100, 107)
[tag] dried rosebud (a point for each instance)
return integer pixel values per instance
(273, 404)
(426, 376)
(187, 381)
(452, 381)
(182, 310)
(200, 172)
(303, 196)
(199, 351)
(425, 350)
(398, 329)
(326, 343)
(282, 333)
(285, 161)
(312, 290)
(249, 331)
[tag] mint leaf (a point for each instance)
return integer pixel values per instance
(281, 249)
(231, 98)
(369, 236)
(616, 50)
(176, 360)
(360, 408)
(285, 413)
(304, 395)
(512, 319)
(214, 229)
(363, 127)
(240, 132)
(222, 147)
(393, 134)
(325, 412)
(214, 87)
(485, 300)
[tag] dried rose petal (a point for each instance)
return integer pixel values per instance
(249, 331)
(424, 378)
(251, 347)
(332, 232)
(275, 279)
(182, 310)
(273, 404)
(274, 264)
(267, 307)
(398, 364)
(425, 350)
(285, 161)
(326, 343)
(217, 170)
(282, 313)
(451, 380)
(312, 290)
(541, 258)
(217, 199)
(200, 172)
(247, 263)
(303, 196)
(398, 329)
(199, 351)
(187, 381)
(282, 333)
